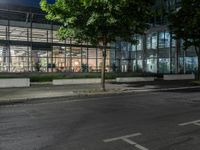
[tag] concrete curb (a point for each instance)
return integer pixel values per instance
(79, 94)
(10, 101)
(166, 89)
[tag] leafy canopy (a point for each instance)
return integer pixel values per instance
(98, 21)
(185, 23)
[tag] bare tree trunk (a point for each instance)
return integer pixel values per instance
(103, 64)
(198, 57)
(198, 72)
(103, 68)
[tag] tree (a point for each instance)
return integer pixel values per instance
(99, 22)
(37, 66)
(185, 24)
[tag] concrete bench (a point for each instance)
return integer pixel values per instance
(179, 77)
(134, 79)
(76, 81)
(14, 82)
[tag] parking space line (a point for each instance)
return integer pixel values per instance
(196, 122)
(135, 144)
(122, 137)
(127, 140)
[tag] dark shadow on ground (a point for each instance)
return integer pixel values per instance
(192, 90)
(160, 84)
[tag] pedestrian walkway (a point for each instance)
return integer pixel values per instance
(42, 90)
(46, 90)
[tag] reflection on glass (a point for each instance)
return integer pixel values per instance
(140, 43)
(2, 32)
(39, 60)
(19, 34)
(167, 39)
(164, 65)
(56, 38)
(148, 41)
(39, 35)
(154, 40)
(161, 40)
(151, 65)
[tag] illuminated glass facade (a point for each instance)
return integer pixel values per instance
(29, 43)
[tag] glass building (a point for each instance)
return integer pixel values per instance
(29, 43)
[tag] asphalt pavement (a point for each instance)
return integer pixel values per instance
(167, 120)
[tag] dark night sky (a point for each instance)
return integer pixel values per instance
(34, 3)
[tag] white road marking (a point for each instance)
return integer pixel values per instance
(135, 144)
(122, 137)
(196, 122)
(127, 140)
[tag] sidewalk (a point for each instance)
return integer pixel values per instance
(46, 90)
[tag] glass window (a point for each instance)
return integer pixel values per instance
(124, 46)
(2, 32)
(84, 57)
(164, 53)
(18, 58)
(125, 54)
(139, 55)
(151, 65)
(5, 58)
(108, 65)
(191, 64)
(133, 47)
(92, 53)
(39, 60)
(161, 40)
(76, 59)
(173, 41)
(154, 41)
(148, 41)
(39, 35)
(68, 59)
(59, 58)
(151, 53)
(56, 39)
(164, 65)
(139, 65)
(50, 36)
(133, 55)
(92, 65)
(167, 39)
(19, 51)
(19, 64)
(19, 34)
(140, 43)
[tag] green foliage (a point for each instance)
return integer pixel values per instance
(185, 23)
(84, 67)
(37, 66)
(99, 21)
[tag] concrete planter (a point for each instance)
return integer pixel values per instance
(135, 79)
(14, 82)
(76, 81)
(179, 77)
